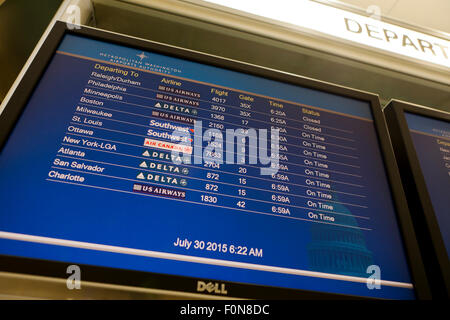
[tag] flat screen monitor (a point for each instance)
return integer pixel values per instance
(421, 138)
(159, 167)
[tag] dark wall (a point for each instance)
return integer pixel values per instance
(22, 23)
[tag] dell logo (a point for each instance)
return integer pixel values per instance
(211, 287)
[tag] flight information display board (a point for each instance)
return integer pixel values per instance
(421, 139)
(431, 138)
(113, 163)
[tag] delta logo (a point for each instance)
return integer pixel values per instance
(179, 109)
(159, 178)
(164, 156)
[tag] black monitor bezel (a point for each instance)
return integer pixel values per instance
(26, 86)
(433, 249)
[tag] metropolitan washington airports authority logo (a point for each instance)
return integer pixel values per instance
(142, 56)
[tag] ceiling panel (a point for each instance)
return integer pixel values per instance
(385, 5)
(432, 14)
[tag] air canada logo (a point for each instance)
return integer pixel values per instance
(211, 287)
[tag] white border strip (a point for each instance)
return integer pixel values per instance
(186, 258)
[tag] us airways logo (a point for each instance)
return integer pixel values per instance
(211, 287)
